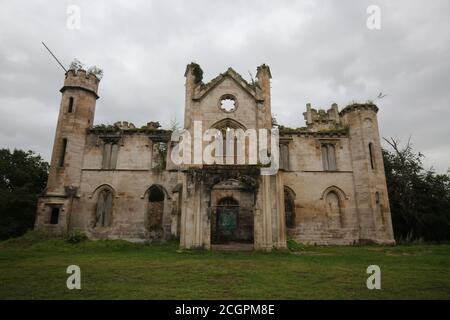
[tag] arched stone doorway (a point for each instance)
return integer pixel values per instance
(232, 216)
(225, 223)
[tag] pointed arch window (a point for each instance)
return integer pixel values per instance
(334, 210)
(289, 207)
(230, 153)
(103, 214)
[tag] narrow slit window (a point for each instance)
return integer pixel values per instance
(372, 160)
(70, 108)
(63, 152)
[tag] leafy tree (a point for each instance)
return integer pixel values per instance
(419, 198)
(23, 176)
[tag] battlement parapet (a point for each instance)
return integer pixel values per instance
(79, 77)
(358, 107)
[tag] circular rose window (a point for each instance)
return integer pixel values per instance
(228, 103)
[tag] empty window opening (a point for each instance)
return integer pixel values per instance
(103, 214)
(63, 152)
(159, 155)
(289, 208)
(54, 215)
(228, 104)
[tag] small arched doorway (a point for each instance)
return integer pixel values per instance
(155, 211)
(225, 221)
(289, 207)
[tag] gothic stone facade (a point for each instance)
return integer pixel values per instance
(118, 182)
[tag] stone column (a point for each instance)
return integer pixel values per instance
(280, 241)
(263, 216)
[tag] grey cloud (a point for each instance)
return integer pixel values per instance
(319, 52)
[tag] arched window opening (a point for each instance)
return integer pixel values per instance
(230, 147)
(103, 215)
(232, 152)
(334, 210)
(289, 208)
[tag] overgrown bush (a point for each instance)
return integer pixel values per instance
(293, 245)
(75, 237)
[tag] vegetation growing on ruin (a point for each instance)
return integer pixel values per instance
(198, 72)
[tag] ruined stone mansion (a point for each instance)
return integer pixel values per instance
(119, 181)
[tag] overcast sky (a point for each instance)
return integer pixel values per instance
(318, 51)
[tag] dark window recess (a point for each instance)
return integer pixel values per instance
(289, 208)
(63, 152)
(156, 194)
(54, 216)
(372, 162)
(70, 108)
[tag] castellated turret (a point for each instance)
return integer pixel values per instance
(76, 115)
(367, 161)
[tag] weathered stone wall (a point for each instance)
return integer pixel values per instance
(342, 205)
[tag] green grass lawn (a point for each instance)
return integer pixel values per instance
(121, 270)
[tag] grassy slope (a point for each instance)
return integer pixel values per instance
(120, 270)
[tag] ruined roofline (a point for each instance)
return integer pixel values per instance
(359, 106)
(326, 122)
(202, 88)
(342, 132)
(124, 127)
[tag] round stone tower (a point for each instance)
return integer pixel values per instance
(76, 115)
(374, 216)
